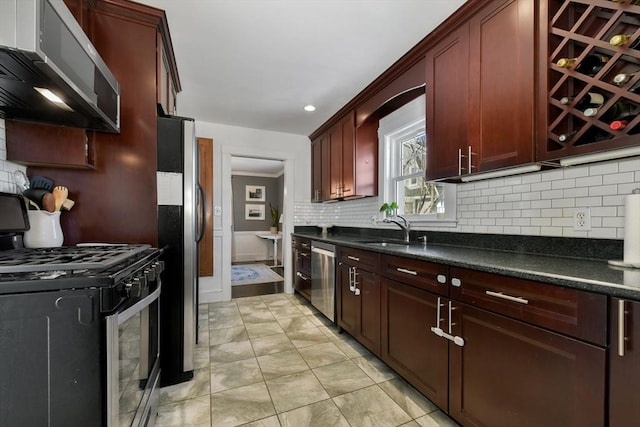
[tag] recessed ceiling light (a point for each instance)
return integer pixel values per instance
(309, 108)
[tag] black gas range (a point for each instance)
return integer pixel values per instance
(79, 329)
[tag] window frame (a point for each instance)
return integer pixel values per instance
(406, 122)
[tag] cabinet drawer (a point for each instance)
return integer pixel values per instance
(421, 274)
(569, 311)
(301, 243)
(302, 284)
(366, 260)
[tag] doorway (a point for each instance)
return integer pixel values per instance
(257, 192)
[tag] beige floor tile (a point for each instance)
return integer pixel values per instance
(255, 330)
(351, 347)
(299, 323)
(221, 336)
(258, 316)
(296, 390)
(201, 358)
(279, 364)
(241, 405)
(222, 322)
(324, 413)
(271, 344)
(231, 351)
(371, 407)
(322, 354)
(234, 374)
(198, 386)
(436, 419)
(265, 422)
(342, 377)
(409, 399)
(375, 368)
(192, 412)
(284, 312)
(307, 337)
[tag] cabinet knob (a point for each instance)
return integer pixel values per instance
(456, 282)
(441, 278)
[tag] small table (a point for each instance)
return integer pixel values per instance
(275, 238)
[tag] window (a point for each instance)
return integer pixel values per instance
(402, 138)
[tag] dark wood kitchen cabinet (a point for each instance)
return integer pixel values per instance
(408, 344)
(532, 354)
(624, 363)
(167, 79)
(115, 194)
(480, 92)
(301, 255)
(358, 296)
(344, 161)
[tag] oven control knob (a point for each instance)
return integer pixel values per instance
(150, 273)
(159, 266)
(126, 290)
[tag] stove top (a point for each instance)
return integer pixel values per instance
(67, 258)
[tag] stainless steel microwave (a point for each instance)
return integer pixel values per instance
(49, 70)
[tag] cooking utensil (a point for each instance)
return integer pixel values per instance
(42, 198)
(41, 182)
(60, 194)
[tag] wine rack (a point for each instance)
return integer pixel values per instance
(581, 31)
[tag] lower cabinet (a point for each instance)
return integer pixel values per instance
(509, 373)
(408, 344)
(358, 305)
(624, 363)
(301, 256)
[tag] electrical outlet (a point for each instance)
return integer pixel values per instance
(217, 211)
(581, 219)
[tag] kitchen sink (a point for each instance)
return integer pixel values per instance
(387, 244)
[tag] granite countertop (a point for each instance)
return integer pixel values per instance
(592, 275)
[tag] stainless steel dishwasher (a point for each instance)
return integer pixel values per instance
(323, 274)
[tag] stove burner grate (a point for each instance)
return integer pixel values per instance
(66, 258)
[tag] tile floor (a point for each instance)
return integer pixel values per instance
(273, 360)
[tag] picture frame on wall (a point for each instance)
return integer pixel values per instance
(253, 212)
(255, 193)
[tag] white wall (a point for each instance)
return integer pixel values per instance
(536, 204)
(7, 184)
(232, 140)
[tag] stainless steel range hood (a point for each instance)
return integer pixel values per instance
(44, 54)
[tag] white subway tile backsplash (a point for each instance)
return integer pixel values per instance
(7, 168)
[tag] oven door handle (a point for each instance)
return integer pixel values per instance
(139, 306)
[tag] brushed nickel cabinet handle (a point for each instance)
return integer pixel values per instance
(507, 297)
(353, 258)
(621, 331)
(404, 270)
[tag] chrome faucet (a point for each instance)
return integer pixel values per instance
(404, 225)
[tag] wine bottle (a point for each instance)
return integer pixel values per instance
(566, 136)
(592, 64)
(619, 39)
(566, 62)
(621, 123)
(622, 78)
(592, 134)
(617, 110)
(591, 99)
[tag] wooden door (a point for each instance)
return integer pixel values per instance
(347, 302)
(447, 95)
(501, 85)
(624, 363)
(205, 246)
(408, 345)
(369, 285)
(509, 373)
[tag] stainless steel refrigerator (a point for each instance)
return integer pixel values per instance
(180, 228)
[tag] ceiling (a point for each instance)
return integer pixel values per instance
(254, 166)
(257, 63)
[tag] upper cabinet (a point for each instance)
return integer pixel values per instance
(168, 83)
(480, 92)
(590, 84)
(344, 162)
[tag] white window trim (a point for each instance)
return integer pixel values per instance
(405, 121)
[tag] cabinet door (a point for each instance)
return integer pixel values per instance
(347, 302)
(325, 155)
(316, 170)
(509, 373)
(501, 85)
(369, 285)
(335, 161)
(447, 95)
(347, 127)
(408, 345)
(624, 365)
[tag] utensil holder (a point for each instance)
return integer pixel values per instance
(45, 231)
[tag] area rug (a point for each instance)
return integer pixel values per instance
(248, 274)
